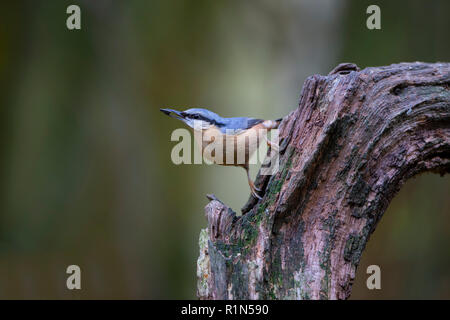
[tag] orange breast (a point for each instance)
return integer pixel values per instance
(229, 149)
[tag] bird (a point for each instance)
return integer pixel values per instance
(237, 136)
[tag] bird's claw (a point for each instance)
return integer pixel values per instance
(254, 190)
(256, 195)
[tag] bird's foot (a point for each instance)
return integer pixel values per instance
(254, 189)
(256, 195)
(272, 145)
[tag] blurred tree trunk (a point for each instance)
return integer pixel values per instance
(354, 140)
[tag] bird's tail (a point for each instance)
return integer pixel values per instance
(278, 121)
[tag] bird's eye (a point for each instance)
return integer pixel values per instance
(195, 116)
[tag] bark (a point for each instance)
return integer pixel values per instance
(354, 140)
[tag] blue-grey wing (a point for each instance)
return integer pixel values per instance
(236, 125)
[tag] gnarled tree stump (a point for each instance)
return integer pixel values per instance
(354, 140)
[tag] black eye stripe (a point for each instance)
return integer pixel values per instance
(197, 116)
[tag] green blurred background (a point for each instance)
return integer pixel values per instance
(86, 175)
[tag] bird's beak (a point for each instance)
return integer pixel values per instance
(173, 114)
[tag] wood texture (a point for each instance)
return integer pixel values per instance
(354, 140)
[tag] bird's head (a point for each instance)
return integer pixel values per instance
(196, 118)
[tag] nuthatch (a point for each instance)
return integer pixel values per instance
(236, 134)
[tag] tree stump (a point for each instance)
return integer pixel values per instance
(354, 140)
